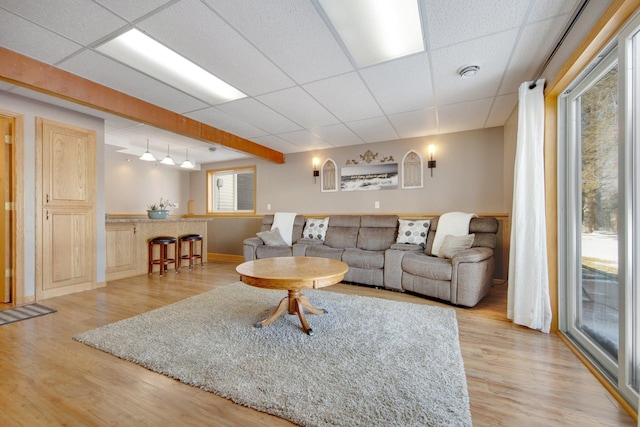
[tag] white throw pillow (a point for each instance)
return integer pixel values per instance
(454, 244)
(413, 231)
(315, 228)
(272, 237)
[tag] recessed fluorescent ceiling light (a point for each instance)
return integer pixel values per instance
(147, 55)
(376, 30)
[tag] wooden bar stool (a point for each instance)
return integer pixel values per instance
(192, 255)
(163, 261)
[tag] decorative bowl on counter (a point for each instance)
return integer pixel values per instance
(158, 214)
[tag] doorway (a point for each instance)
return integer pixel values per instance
(7, 284)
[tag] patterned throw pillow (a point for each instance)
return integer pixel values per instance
(315, 228)
(413, 231)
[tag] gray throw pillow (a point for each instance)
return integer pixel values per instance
(454, 244)
(272, 237)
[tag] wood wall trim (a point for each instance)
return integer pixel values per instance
(32, 74)
(225, 257)
(605, 29)
(500, 215)
(551, 202)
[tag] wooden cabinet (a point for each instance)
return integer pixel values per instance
(122, 250)
(127, 242)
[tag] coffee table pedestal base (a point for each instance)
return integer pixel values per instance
(294, 303)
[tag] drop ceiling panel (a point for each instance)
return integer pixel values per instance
(116, 122)
(20, 35)
(263, 117)
(544, 9)
(374, 130)
(80, 20)
(292, 34)
(305, 140)
(221, 120)
(402, 85)
(338, 135)
(299, 80)
(216, 47)
(132, 10)
(116, 141)
(202, 154)
(278, 144)
(467, 116)
(536, 41)
(299, 107)
(415, 123)
(98, 68)
(490, 53)
(456, 21)
(502, 108)
(346, 96)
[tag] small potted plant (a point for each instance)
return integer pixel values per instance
(159, 210)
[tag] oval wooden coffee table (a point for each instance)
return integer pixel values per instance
(292, 274)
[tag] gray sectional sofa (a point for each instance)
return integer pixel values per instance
(464, 279)
(367, 244)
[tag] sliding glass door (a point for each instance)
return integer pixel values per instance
(599, 201)
(592, 203)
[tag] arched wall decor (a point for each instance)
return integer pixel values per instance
(412, 170)
(329, 176)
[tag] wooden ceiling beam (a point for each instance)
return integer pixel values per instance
(32, 74)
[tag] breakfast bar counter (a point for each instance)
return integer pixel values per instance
(127, 241)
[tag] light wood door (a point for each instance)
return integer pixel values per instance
(67, 255)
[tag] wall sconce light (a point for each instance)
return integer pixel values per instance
(147, 156)
(316, 172)
(431, 164)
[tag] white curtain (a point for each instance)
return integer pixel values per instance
(528, 301)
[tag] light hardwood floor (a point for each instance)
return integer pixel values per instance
(515, 376)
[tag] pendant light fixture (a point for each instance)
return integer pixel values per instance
(168, 160)
(147, 156)
(187, 164)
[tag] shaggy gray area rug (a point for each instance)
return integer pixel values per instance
(371, 362)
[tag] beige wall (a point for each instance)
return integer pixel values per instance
(510, 139)
(132, 184)
(468, 177)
